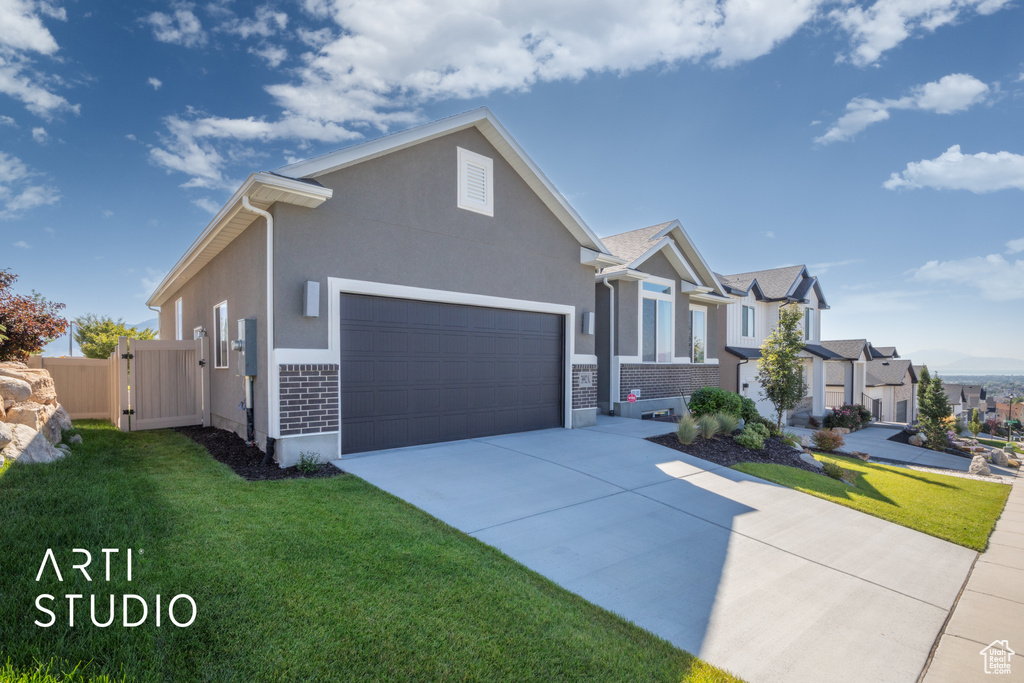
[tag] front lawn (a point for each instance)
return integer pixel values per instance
(299, 579)
(959, 510)
(999, 444)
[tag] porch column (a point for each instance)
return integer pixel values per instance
(817, 387)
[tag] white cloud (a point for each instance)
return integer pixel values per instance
(40, 135)
(22, 244)
(822, 268)
(22, 33)
(1015, 246)
(952, 170)
(207, 205)
(180, 28)
(265, 23)
(130, 136)
(995, 277)
(272, 54)
(887, 23)
(150, 281)
(8, 121)
(19, 191)
(107, 213)
(155, 82)
(948, 95)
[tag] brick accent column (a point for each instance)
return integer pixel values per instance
(584, 386)
(309, 399)
(665, 380)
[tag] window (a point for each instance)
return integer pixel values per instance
(656, 321)
(177, 320)
(808, 323)
(476, 182)
(748, 321)
(220, 335)
(698, 333)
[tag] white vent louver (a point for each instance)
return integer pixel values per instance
(476, 182)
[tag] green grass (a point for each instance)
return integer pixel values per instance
(999, 444)
(302, 579)
(959, 510)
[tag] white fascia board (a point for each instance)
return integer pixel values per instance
(496, 134)
(623, 275)
(677, 260)
(224, 216)
(589, 257)
(687, 246)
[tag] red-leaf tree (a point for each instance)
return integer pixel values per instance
(31, 322)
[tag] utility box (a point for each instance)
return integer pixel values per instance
(245, 345)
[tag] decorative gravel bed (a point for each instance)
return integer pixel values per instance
(724, 451)
(247, 461)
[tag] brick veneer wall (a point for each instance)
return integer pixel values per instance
(662, 380)
(584, 397)
(309, 399)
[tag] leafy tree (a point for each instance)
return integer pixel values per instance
(975, 424)
(97, 336)
(780, 369)
(29, 322)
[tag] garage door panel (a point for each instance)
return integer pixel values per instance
(438, 372)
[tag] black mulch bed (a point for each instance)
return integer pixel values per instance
(724, 451)
(247, 461)
(901, 437)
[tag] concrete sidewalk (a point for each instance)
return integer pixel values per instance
(767, 582)
(875, 442)
(991, 607)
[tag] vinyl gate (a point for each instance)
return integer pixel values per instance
(160, 384)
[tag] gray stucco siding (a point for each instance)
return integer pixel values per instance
(236, 275)
(395, 220)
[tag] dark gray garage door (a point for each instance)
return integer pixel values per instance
(417, 372)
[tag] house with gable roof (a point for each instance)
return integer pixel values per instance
(752, 314)
(658, 320)
(891, 386)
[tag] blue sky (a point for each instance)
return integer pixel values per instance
(880, 143)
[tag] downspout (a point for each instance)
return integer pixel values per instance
(613, 379)
(271, 369)
(739, 386)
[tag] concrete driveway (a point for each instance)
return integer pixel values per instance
(769, 583)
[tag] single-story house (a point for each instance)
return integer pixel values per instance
(752, 314)
(659, 317)
(846, 375)
(425, 286)
(891, 385)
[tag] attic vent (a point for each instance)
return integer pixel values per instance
(476, 182)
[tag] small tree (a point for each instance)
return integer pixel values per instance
(30, 322)
(97, 336)
(975, 424)
(780, 369)
(934, 411)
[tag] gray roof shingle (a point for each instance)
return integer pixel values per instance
(774, 283)
(881, 372)
(850, 349)
(631, 245)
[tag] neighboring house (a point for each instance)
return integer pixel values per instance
(426, 286)
(974, 395)
(753, 313)
(846, 376)
(884, 352)
(1004, 411)
(658, 320)
(956, 397)
(891, 386)
(990, 408)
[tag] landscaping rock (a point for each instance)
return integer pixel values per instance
(6, 435)
(29, 447)
(979, 466)
(841, 430)
(810, 460)
(14, 389)
(63, 448)
(34, 415)
(61, 417)
(917, 440)
(805, 441)
(75, 439)
(999, 458)
(862, 456)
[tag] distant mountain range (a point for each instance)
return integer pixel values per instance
(947, 362)
(59, 346)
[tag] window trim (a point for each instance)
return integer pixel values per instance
(669, 296)
(466, 157)
(703, 309)
(748, 330)
(179, 328)
(808, 324)
(220, 359)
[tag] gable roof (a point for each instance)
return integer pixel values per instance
(884, 352)
(954, 392)
(882, 372)
(483, 120)
(790, 283)
(822, 352)
(849, 349)
(634, 247)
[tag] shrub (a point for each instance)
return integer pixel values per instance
(833, 470)
(308, 461)
(727, 423)
(790, 439)
(767, 424)
(708, 426)
(763, 430)
(710, 400)
(750, 438)
(849, 415)
(686, 430)
(828, 440)
(748, 409)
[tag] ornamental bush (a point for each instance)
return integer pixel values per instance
(828, 440)
(750, 438)
(686, 430)
(748, 411)
(708, 426)
(727, 423)
(711, 400)
(852, 416)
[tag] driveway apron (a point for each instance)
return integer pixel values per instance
(769, 583)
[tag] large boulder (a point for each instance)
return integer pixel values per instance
(805, 441)
(37, 416)
(979, 466)
(29, 446)
(43, 389)
(6, 435)
(62, 418)
(999, 458)
(14, 389)
(916, 440)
